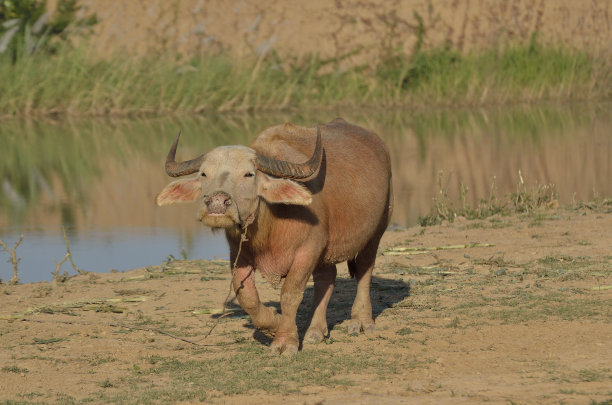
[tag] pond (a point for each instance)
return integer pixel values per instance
(97, 178)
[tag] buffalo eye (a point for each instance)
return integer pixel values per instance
(203, 174)
(249, 174)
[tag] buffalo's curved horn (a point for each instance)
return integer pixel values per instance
(176, 169)
(288, 170)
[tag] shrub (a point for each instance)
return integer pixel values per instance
(27, 27)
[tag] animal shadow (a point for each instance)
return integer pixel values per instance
(384, 293)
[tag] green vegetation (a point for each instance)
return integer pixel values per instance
(26, 28)
(46, 69)
(14, 369)
(73, 82)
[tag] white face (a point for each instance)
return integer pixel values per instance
(228, 179)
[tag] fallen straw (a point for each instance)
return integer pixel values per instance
(401, 250)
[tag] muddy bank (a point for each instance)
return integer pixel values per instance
(504, 309)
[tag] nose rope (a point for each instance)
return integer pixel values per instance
(243, 238)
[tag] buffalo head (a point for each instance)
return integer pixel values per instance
(230, 181)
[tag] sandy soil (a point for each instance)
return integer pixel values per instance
(504, 310)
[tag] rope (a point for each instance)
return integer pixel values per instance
(243, 238)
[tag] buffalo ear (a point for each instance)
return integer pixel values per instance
(283, 191)
(184, 190)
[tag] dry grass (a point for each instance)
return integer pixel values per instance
(524, 200)
(14, 260)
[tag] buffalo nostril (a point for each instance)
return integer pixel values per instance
(218, 202)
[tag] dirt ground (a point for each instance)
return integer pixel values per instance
(356, 31)
(504, 310)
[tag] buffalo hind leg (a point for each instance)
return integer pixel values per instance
(361, 268)
(324, 281)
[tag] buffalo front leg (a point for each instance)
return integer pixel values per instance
(324, 282)
(264, 318)
(286, 339)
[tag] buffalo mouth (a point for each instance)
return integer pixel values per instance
(216, 220)
(219, 211)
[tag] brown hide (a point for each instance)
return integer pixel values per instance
(351, 197)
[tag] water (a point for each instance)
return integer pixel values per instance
(98, 178)
(103, 250)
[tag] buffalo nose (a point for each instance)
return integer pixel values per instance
(218, 202)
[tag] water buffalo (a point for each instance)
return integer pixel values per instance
(299, 219)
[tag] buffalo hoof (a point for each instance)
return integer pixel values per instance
(355, 326)
(286, 346)
(313, 336)
(267, 321)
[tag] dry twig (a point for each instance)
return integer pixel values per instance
(56, 275)
(14, 259)
(69, 254)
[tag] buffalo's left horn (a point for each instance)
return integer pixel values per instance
(288, 170)
(176, 169)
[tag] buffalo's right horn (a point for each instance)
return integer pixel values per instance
(176, 169)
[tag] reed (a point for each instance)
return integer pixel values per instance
(72, 82)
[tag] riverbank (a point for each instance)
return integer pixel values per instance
(507, 308)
